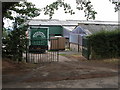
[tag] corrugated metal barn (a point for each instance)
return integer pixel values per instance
(56, 27)
(73, 30)
(87, 28)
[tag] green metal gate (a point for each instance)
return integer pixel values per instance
(85, 47)
(42, 55)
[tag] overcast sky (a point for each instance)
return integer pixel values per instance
(104, 8)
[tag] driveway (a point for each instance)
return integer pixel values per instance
(67, 73)
(108, 82)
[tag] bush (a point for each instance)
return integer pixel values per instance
(105, 44)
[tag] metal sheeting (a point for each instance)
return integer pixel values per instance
(76, 35)
(100, 22)
(89, 27)
(78, 30)
(66, 33)
(67, 30)
(68, 22)
(76, 38)
(54, 30)
(53, 22)
(83, 30)
(96, 28)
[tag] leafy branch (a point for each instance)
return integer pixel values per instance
(87, 7)
(25, 10)
(50, 9)
(117, 4)
(81, 5)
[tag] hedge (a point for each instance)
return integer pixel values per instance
(105, 44)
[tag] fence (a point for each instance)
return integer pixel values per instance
(86, 48)
(42, 53)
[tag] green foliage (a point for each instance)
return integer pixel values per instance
(14, 45)
(50, 9)
(87, 7)
(105, 44)
(25, 10)
(117, 4)
(5, 33)
(84, 5)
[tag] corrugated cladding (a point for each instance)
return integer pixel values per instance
(64, 27)
(75, 38)
(93, 28)
(54, 30)
(67, 30)
(76, 35)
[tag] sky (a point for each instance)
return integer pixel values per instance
(104, 8)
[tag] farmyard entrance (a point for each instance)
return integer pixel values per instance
(43, 51)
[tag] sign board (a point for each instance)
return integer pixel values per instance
(39, 36)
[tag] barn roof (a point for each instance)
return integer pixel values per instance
(68, 22)
(69, 25)
(96, 28)
(52, 22)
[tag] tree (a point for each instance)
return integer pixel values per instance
(16, 40)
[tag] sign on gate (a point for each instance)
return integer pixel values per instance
(38, 39)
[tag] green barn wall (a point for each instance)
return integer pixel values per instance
(54, 30)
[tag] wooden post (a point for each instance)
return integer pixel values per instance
(26, 51)
(1, 26)
(78, 43)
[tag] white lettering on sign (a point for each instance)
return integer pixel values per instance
(41, 34)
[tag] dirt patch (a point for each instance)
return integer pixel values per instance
(74, 68)
(12, 67)
(68, 71)
(83, 76)
(107, 63)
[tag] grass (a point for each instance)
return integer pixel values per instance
(80, 57)
(113, 60)
(63, 54)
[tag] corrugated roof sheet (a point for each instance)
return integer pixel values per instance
(11, 0)
(52, 22)
(97, 28)
(69, 28)
(67, 22)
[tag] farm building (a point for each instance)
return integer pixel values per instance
(87, 28)
(56, 27)
(54, 30)
(73, 30)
